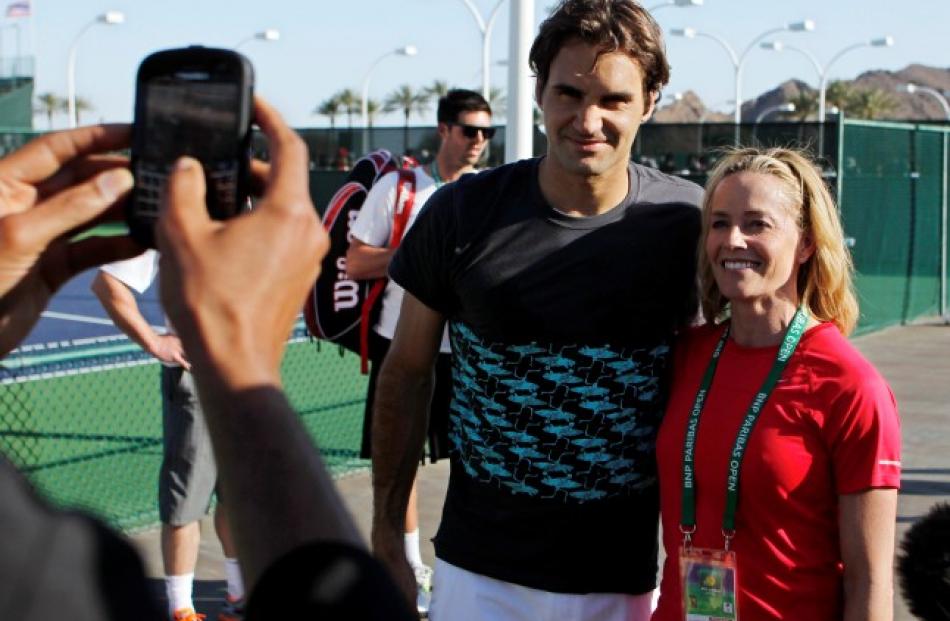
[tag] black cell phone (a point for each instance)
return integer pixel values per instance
(193, 101)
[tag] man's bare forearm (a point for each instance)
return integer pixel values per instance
(400, 419)
(364, 261)
(278, 492)
(119, 303)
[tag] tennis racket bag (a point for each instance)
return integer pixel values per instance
(340, 309)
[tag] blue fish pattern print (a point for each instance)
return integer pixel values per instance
(571, 423)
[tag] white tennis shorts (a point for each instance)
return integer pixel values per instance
(460, 595)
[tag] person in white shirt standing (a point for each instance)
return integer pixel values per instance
(188, 475)
(464, 126)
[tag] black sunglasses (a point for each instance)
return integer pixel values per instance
(471, 131)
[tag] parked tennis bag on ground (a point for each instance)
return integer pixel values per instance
(340, 309)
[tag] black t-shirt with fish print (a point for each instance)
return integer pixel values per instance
(561, 329)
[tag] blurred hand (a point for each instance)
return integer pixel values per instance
(52, 189)
(167, 348)
(234, 288)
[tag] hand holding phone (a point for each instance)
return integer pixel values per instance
(198, 102)
(234, 289)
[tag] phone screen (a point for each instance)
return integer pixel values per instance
(191, 117)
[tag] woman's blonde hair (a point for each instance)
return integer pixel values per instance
(824, 280)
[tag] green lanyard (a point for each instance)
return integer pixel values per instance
(688, 521)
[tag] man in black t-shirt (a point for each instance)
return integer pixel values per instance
(563, 280)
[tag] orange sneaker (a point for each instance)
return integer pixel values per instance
(187, 614)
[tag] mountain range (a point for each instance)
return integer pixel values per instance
(689, 108)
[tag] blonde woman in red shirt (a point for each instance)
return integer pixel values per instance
(779, 456)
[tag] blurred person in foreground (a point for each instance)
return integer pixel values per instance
(232, 290)
(779, 456)
(924, 565)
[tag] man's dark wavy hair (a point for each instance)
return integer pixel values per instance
(611, 25)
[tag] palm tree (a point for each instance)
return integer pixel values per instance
(437, 89)
(840, 94)
(373, 107)
(49, 104)
(872, 103)
(409, 102)
(330, 109)
(82, 105)
(806, 104)
(351, 104)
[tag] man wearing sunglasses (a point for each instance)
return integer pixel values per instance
(464, 131)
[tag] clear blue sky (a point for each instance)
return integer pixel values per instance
(327, 45)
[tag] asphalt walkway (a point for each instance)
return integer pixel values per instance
(915, 360)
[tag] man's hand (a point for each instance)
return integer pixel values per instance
(52, 189)
(390, 549)
(167, 348)
(233, 289)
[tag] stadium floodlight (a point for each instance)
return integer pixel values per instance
(885, 41)
(689, 33)
(806, 25)
(916, 88)
(785, 108)
(109, 18)
(112, 17)
(406, 50)
(268, 34)
(738, 60)
(675, 3)
(778, 46)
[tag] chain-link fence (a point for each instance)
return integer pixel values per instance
(83, 419)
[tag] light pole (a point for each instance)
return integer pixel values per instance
(519, 132)
(406, 50)
(702, 121)
(778, 46)
(785, 107)
(268, 34)
(110, 18)
(915, 88)
(679, 3)
(485, 28)
(738, 60)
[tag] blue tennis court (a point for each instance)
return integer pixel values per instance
(75, 313)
